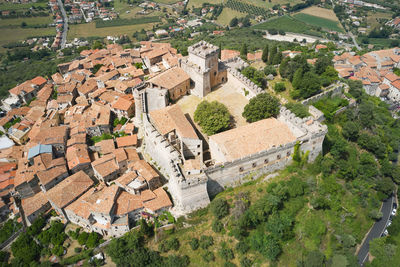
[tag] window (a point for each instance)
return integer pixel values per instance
(266, 161)
(198, 146)
(241, 169)
(288, 153)
(254, 164)
(278, 157)
(215, 73)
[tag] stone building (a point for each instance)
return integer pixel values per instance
(204, 68)
(175, 80)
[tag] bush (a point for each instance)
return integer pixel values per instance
(93, 240)
(261, 107)
(279, 87)
(226, 253)
(167, 245)
(217, 226)
(206, 241)
(245, 262)
(194, 243)
(77, 250)
(208, 256)
(270, 70)
(58, 250)
(212, 117)
(220, 208)
(83, 238)
(229, 264)
(242, 247)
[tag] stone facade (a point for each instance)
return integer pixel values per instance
(204, 68)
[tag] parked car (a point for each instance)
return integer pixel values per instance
(394, 211)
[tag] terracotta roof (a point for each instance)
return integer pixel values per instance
(120, 154)
(132, 154)
(252, 138)
(76, 155)
(147, 195)
(69, 189)
(384, 86)
(127, 203)
(122, 104)
(53, 135)
(392, 77)
(161, 201)
(254, 56)
(126, 141)
(79, 138)
(396, 84)
(39, 80)
(89, 86)
(106, 146)
(105, 165)
(172, 118)
(170, 78)
(145, 170)
(34, 203)
(49, 175)
(26, 86)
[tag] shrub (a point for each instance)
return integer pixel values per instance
(194, 243)
(226, 253)
(77, 250)
(58, 250)
(279, 87)
(208, 256)
(229, 264)
(245, 262)
(220, 208)
(217, 226)
(206, 241)
(270, 70)
(83, 238)
(242, 247)
(212, 117)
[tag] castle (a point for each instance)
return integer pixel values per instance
(174, 147)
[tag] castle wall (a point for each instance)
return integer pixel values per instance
(202, 85)
(336, 89)
(192, 148)
(251, 89)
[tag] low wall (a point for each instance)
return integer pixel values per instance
(251, 88)
(335, 89)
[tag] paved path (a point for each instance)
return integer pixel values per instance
(376, 230)
(65, 29)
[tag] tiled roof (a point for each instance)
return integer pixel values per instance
(125, 141)
(172, 118)
(39, 80)
(253, 138)
(127, 203)
(76, 155)
(106, 146)
(170, 78)
(34, 203)
(122, 104)
(69, 189)
(161, 201)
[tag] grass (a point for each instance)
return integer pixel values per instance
(90, 30)
(9, 35)
(372, 18)
(168, 2)
(319, 22)
(269, 4)
(320, 12)
(11, 6)
(199, 3)
(125, 22)
(227, 15)
(285, 23)
(30, 21)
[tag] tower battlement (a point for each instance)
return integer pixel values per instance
(203, 49)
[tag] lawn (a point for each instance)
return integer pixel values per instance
(228, 14)
(11, 6)
(30, 21)
(319, 22)
(90, 30)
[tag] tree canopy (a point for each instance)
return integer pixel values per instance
(213, 117)
(261, 107)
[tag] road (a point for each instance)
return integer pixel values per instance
(376, 230)
(354, 40)
(65, 30)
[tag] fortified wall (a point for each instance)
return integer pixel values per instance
(229, 174)
(332, 90)
(189, 193)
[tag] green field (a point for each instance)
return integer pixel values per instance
(228, 14)
(9, 35)
(287, 24)
(30, 21)
(11, 6)
(90, 30)
(199, 3)
(318, 22)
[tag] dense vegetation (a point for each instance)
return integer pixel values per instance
(8, 228)
(246, 8)
(213, 117)
(261, 107)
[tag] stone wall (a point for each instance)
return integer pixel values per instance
(246, 84)
(332, 90)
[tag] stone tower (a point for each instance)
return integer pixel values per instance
(203, 67)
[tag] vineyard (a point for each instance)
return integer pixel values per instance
(246, 8)
(125, 22)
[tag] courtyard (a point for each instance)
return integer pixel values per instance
(226, 94)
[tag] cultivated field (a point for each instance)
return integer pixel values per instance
(320, 12)
(268, 4)
(9, 35)
(5, 23)
(287, 24)
(199, 3)
(11, 6)
(373, 17)
(319, 22)
(90, 30)
(228, 14)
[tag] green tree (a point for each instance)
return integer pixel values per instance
(226, 253)
(269, 70)
(234, 22)
(208, 256)
(83, 238)
(262, 106)
(298, 75)
(194, 243)
(279, 87)
(350, 130)
(272, 53)
(265, 52)
(314, 259)
(243, 50)
(219, 208)
(212, 117)
(217, 226)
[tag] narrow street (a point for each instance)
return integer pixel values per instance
(376, 230)
(65, 29)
